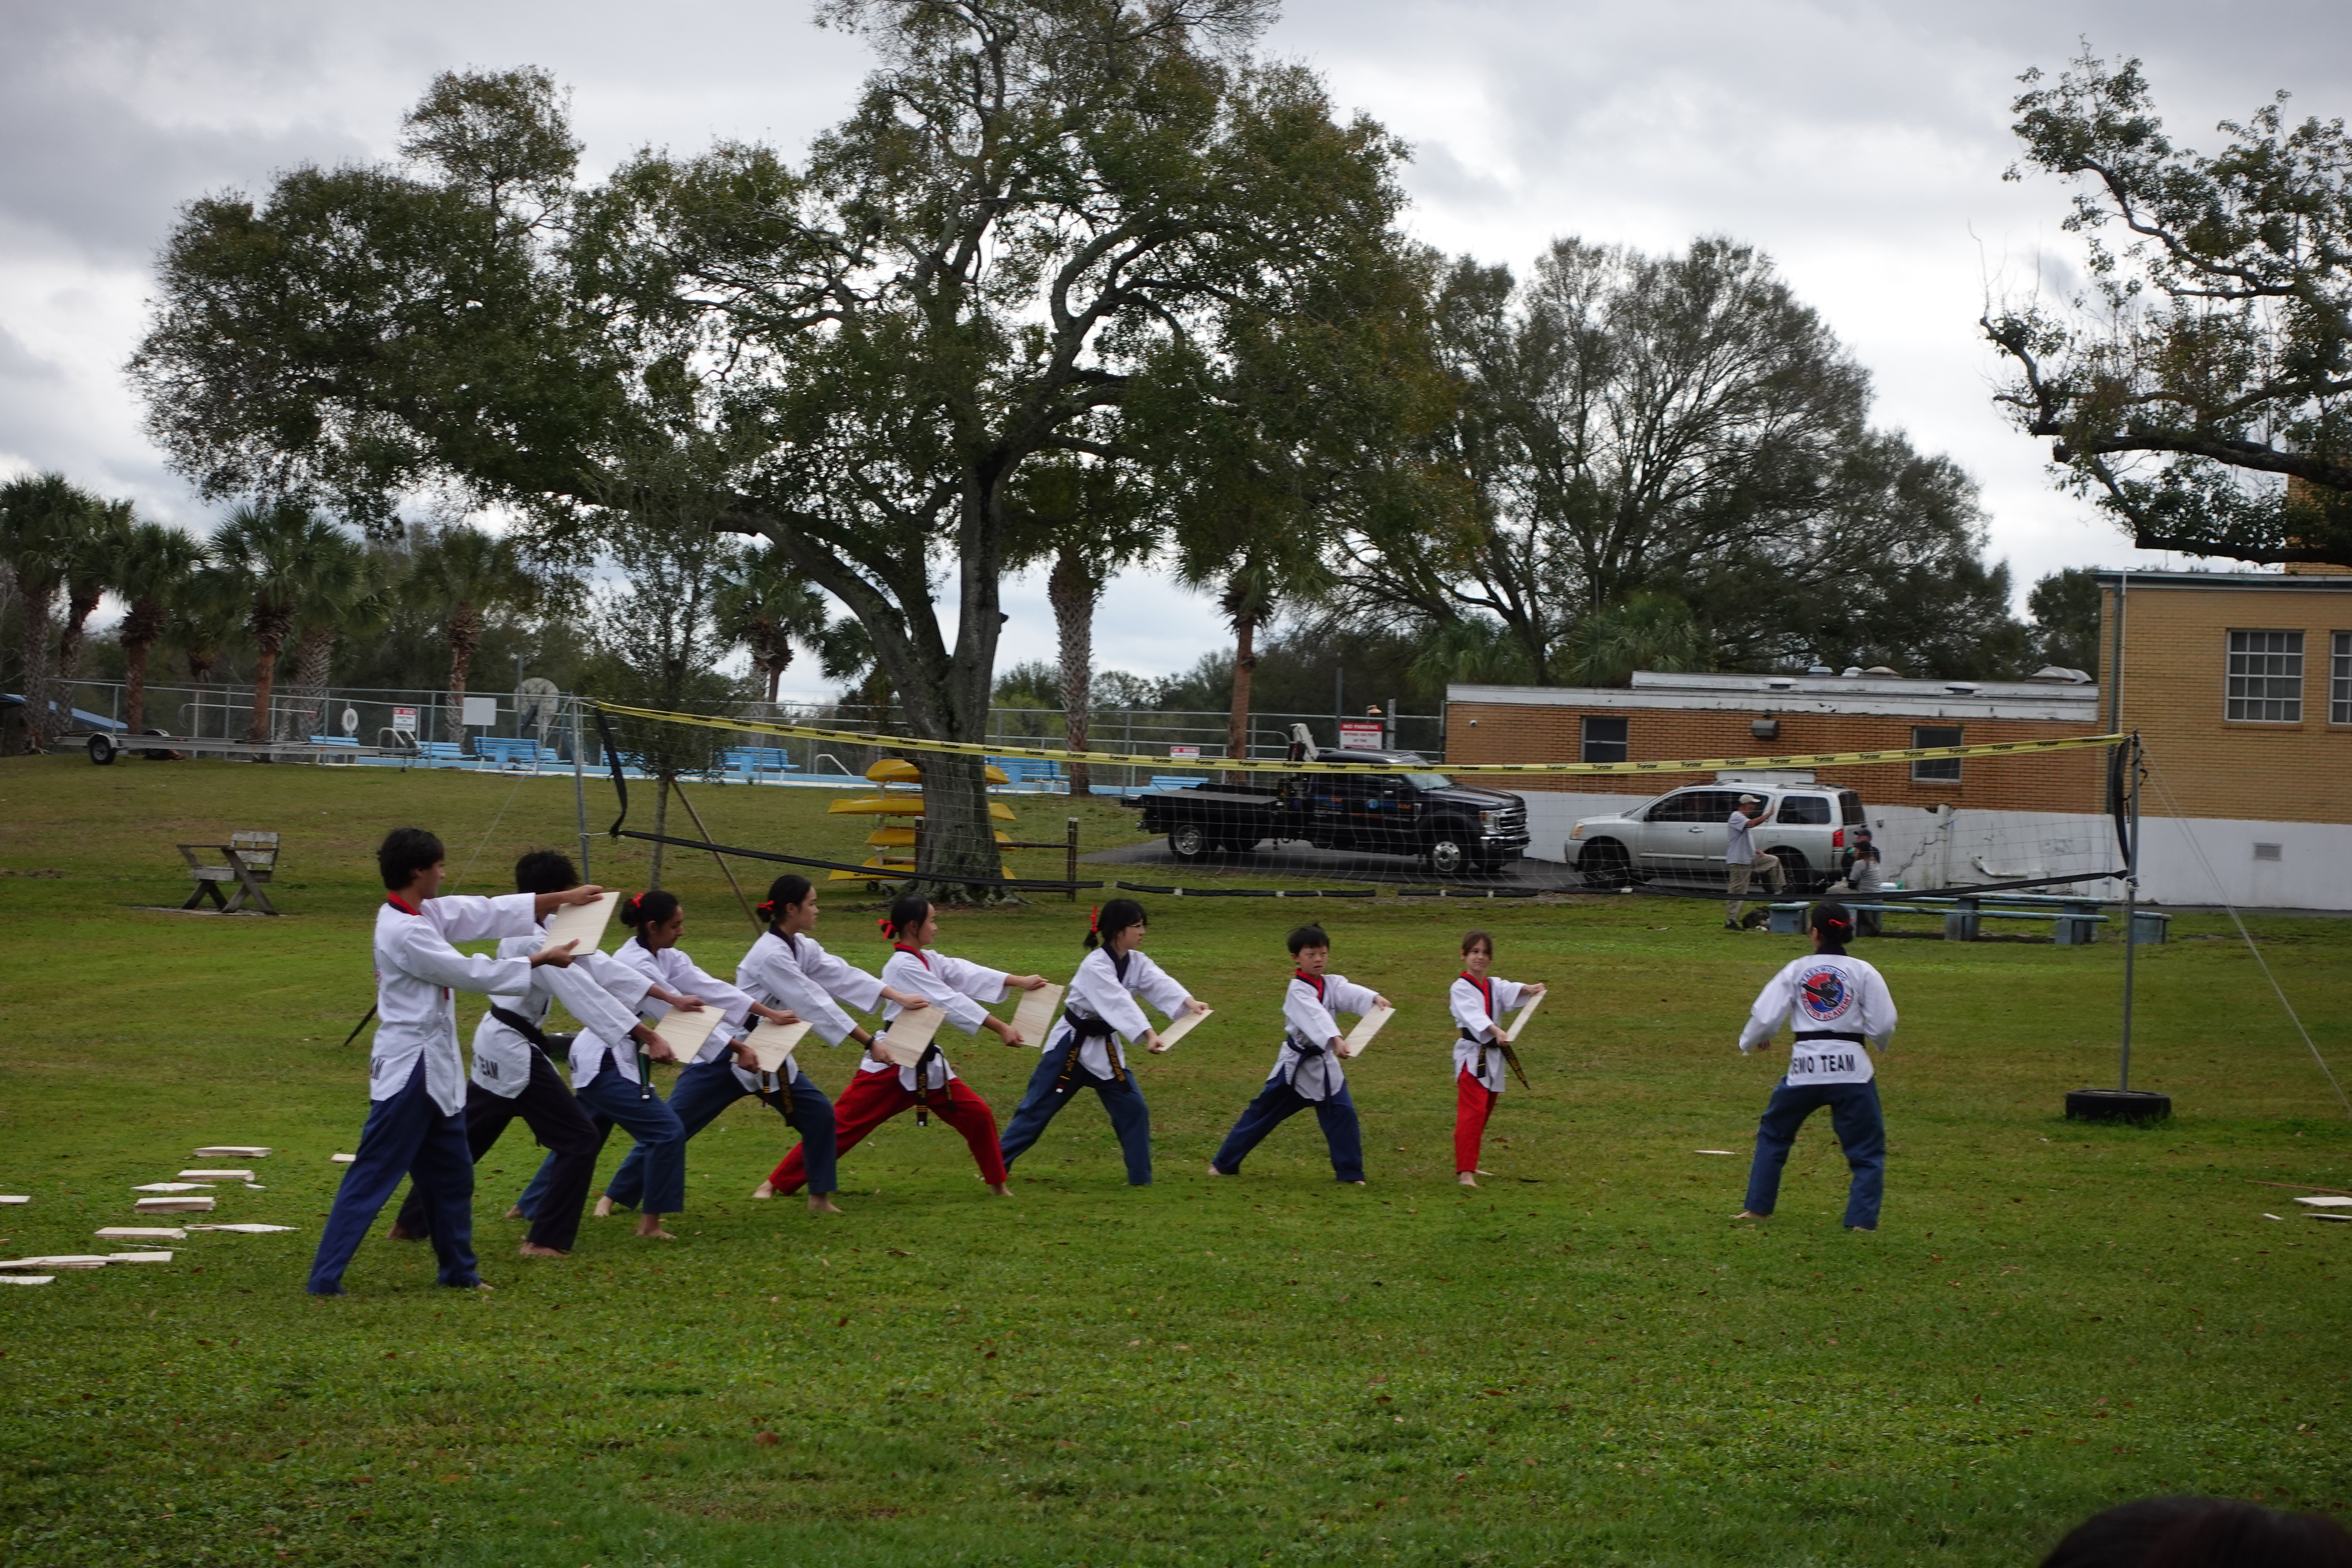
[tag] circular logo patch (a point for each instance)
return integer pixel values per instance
(1824, 994)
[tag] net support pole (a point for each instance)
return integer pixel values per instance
(2131, 903)
(580, 793)
(1070, 858)
(725, 869)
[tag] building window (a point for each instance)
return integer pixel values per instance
(2339, 680)
(1604, 740)
(1934, 770)
(2265, 678)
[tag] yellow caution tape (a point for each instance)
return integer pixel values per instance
(1269, 765)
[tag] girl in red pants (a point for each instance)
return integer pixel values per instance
(1479, 1000)
(881, 1090)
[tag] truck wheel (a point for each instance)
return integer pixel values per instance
(1605, 865)
(1796, 876)
(1447, 852)
(101, 749)
(1187, 842)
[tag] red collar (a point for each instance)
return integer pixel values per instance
(917, 951)
(1314, 980)
(397, 902)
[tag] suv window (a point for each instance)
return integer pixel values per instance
(1849, 807)
(1694, 805)
(1804, 810)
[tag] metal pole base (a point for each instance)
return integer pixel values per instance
(2117, 1105)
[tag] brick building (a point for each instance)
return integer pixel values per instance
(2241, 686)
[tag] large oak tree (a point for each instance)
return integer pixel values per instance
(1030, 199)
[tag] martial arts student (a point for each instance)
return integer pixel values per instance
(1306, 1072)
(606, 1078)
(1839, 1011)
(415, 1125)
(788, 968)
(513, 1075)
(1481, 1067)
(1087, 1048)
(881, 1090)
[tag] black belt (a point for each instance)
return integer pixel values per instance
(1484, 1047)
(1082, 1029)
(549, 1044)
(1831, 1035)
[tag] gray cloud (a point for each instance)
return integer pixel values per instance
(1860, 142)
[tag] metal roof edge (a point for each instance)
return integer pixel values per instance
(2239, 582)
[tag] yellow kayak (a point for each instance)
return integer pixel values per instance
(904, 838)
(898, 770)
(903, 805)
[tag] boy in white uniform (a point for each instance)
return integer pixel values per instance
(417, 1073)
(1839, 1010)
(1306, 1072)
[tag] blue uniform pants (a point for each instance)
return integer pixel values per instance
(612, 1100)
(405, 1135)
(1277, 1102)
(1861, 1132)
(705, 1090)
(1121, 1097)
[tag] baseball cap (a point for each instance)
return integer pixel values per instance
(1752, 800)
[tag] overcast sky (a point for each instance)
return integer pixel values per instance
(1860, 143)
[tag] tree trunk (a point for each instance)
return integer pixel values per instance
(661, 827)
(78, 606)
(265, 682)
(142, 625)
(1073, 588)
(464, 636)
(1245, 663)
(314, 653)
(32, 648)
(958, 836)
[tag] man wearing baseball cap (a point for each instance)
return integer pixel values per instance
(1864, 876)
(1741, 862)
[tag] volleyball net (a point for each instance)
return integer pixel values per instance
(2012, 816)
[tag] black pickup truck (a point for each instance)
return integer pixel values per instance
(1412, 811)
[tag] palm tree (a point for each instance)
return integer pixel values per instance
(275, 550)
(153, 566)
(1090, 523)
(204, 616)
(349, 592)
(461, 575)
(41, 517)
(91, 564)
(1253, 560)
(766, 606)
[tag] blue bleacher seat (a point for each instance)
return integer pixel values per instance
(750, 763)
(1032, 773)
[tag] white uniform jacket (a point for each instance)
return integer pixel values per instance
(1482, 1060)
(595, 988)
(794, 973)
(725, 1005)
(1106, 988)
(954, 985)
(1309, 1016)
(415, 972)
(1835, 1003)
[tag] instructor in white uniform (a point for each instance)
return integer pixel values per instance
(1839, 1011)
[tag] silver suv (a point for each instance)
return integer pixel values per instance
(1679, 836)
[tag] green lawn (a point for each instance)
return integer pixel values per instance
(1581, 1362)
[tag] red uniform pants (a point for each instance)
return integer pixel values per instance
(873, 1097)
(1473, 1103)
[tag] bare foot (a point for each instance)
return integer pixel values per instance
(1484, 1171)
(533, 1249)
(1468, 1179)
(764, 1190)
(484, 1285)
(1743, 1214)
(650, 1227)
(1214, 1172)
(1355, 1184)
(1001, 1189)
(516, 1213)
(604, 1208)
(401, 1233)
(822, 1203)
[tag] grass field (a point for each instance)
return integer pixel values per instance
(1584, 1362)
